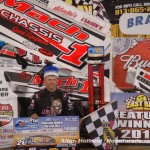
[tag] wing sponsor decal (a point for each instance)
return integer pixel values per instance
(80, 16)
(38, 34)
(62, 37)
(34, 65)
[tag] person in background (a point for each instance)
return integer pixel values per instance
(50, 101)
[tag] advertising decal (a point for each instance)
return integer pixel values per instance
(57, 34)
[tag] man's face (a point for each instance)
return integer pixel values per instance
(51, 82)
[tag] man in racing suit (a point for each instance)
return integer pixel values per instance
(50, 101)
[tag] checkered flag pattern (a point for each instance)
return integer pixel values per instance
(130, 99)
(94, 125)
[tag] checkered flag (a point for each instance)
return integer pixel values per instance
(102, 126)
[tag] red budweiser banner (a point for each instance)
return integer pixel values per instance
(129, 52)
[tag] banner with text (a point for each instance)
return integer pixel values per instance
(134, 116)
(124, 7)
(129, 52)
(59, 131)
(8, 110)
(135, 23)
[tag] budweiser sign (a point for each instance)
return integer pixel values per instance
(134, 61)
(129, 52)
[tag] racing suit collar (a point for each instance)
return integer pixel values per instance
(47, 91)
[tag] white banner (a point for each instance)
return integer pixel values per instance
(8, 110)
(135, 23)
(81, 17)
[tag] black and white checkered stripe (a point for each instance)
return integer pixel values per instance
(94, 121)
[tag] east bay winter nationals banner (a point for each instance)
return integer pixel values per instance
(134, 117)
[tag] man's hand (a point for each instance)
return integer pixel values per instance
(34, 116)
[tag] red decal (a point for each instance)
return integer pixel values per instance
(24, 76)
(36, 80)
(70, 81)
(5, 107)
(20, 51)
(66, 28)
(5, 110)
(38, 16)
(36, 59)
(147, 76)
(59, 25)
(72, 30)
(84, 89)
(45, 52)
(79, 50)
(82, 36)
(61, 81)
(7, 52)
(28, 35)
(20, 6)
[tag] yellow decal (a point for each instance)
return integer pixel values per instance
(140, 102)
(86, 8)
(109, 134)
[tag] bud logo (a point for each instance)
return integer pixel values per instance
(6, 114)
(141, 102)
